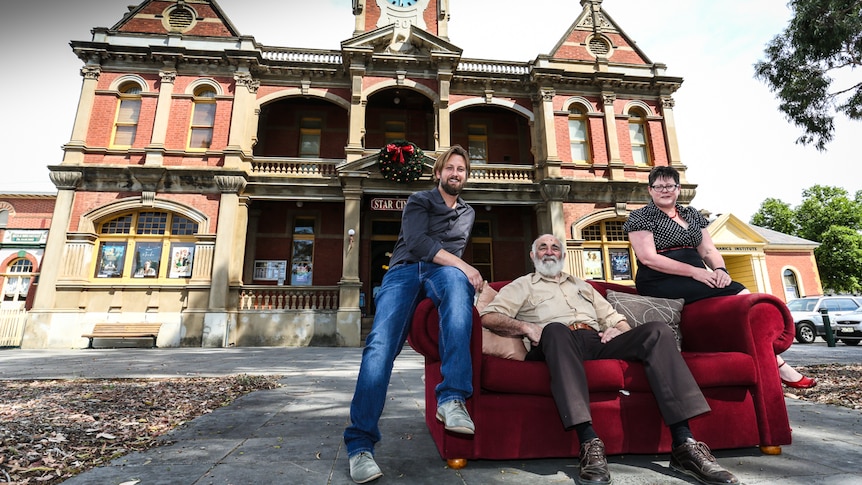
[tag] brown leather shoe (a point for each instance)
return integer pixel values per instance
(694, 459)
(594, 464)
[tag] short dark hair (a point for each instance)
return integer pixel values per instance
(664, 172)
(444, 157)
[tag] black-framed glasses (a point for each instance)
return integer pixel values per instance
(664, 188)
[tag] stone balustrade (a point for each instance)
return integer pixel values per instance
(268, 297)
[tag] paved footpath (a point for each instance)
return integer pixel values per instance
(292, 435)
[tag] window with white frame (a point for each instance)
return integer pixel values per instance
(19, 275)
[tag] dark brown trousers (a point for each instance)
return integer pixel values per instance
(564, 350)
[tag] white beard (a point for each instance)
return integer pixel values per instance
(550, 266)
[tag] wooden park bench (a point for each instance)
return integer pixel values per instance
(124, 331)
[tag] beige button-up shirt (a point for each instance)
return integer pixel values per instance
(541, 300)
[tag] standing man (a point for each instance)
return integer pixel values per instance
(568, 322)
(426, 261)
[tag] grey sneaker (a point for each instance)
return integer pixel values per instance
(363, 468)
(455, 418)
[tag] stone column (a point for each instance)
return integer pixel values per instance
(443, 125)
(547, 154)
(615, 162)
(672, 142)
(52, 260)
(250, 245)
(555, 192)
(216, 324)
(238, 258)
(74, 150)
(38, 330)
(242, 116)
(349, 324)
(356, 134)
(156, 149)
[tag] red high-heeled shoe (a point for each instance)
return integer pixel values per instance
(804, 383)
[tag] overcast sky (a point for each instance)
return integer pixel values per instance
(737, 146)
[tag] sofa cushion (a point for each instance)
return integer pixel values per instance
(641, 309)
(508, 376)
(492, 343)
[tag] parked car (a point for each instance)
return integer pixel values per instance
(809, 320)
(849, 327)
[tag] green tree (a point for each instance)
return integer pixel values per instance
(839, 260)
(776, 215)
(822, 38)
(823, 207)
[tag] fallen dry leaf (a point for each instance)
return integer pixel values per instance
(54, 429)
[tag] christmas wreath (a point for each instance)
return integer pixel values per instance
(400, 161)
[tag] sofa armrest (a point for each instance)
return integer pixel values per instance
(424, 335)
(739, 323)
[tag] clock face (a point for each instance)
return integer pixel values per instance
(402, 3)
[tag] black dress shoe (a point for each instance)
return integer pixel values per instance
(594, 464)
(694, 459)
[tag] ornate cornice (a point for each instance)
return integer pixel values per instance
(65, 180)
(91, 72)
(245, 79)
(168, 76)
(230, 183)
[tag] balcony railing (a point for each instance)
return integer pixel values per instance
(481, 172)
(295, 167)
(286, 298)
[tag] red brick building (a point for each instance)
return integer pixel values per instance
(232, 191)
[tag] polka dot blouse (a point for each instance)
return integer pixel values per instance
(667, 234)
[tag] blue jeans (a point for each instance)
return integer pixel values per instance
(404, 286)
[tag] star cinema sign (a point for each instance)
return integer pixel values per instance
(385, 204)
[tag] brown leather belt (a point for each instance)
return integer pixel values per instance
(581, 326)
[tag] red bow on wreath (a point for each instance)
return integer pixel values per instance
(398, 151)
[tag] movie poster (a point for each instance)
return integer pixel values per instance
(148, 255)
(621, 267)
(182, 257)
(112, 257)
(593, 265)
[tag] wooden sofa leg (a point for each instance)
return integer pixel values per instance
(770, 450)
(456, 463)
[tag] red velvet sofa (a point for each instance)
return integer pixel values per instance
(728, 342)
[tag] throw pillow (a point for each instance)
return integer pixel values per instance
(498, 345)
(641, 309)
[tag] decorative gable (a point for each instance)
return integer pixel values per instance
(393, 41)
(202, 18)
(595, 36)
(729, 230)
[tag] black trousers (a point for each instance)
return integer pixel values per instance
(678, 395)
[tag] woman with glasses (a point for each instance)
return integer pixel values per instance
(677, 258)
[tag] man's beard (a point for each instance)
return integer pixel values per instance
(450, 189)
(550, 266)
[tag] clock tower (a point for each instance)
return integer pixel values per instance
(429, 15)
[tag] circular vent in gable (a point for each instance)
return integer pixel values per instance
(179, 18)
(599, 47)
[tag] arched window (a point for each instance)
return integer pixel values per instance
(578, 136)
(203, 118)
(607, 252)
(18, 276)
(639, 137)
(791, 285)
(146, 244)
(4, 217)
(128, 112)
